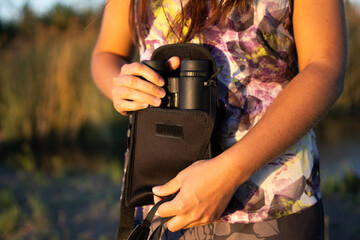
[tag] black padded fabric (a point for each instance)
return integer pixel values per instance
(157, 158)
(164, 141)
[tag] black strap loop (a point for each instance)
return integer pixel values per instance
(141, 232)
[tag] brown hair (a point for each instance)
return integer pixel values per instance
(196, 11)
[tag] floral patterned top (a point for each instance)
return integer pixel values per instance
(257, 51)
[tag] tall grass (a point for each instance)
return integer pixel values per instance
(46, 91)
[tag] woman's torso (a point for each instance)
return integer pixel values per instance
(257, 51)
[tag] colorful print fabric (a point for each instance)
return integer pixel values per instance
(257, 51)
(285, 228)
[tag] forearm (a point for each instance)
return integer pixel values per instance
(104, 67)
(302, 103)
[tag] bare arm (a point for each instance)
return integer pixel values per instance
(206, 187)
(320, 35)
(114, 46)
(113, 74)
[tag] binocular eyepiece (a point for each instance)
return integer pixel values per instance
(185, 87)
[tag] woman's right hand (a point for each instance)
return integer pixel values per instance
(131, 92)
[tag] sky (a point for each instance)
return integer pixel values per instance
(9, 9)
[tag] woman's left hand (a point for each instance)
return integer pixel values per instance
(205, 189)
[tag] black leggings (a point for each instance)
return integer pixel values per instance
(305, 225)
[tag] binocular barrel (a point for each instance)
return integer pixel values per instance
(186, 90)
(193, 75)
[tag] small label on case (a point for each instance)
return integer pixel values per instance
(169, 130)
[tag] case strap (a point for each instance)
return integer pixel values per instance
(126, 222)
(141, 231)
(212, 83)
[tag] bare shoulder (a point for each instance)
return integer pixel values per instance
(320, 31)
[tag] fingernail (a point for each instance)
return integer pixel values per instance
(157, 101)
(144, 105)
(162, 82)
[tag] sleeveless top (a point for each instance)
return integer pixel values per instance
(257, 51)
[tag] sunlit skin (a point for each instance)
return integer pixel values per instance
(206, 187)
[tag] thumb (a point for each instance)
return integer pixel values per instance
(168, 188)
(174, 62)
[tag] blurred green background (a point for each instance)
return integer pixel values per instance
(62, 143)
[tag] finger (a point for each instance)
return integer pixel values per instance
(123, 93)
(171, 208)
(157, 199)
(125, 106)
(177, 223)
(139, 69)
(183, 222)
(181, 219)
(174, 63)
(139, 84)
(168, 188)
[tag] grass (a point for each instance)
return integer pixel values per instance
(9, 212)
(46, 90)
(76, 206)
(346, 187)
(341, 199)
(49, 104)
(37, 205)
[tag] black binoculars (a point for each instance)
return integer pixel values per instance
(186, 87)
